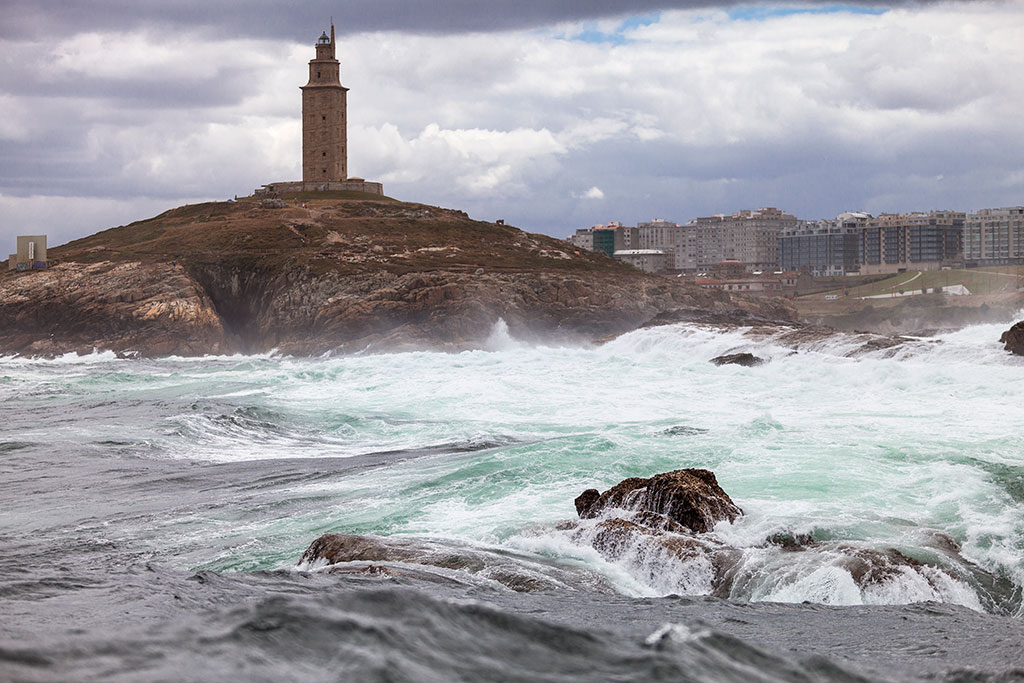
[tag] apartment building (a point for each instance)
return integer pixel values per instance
(994, 237)
(892, 243)
(613, 237)
(749, 236)
(824, 248)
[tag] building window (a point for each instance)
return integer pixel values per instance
(323, 154)
(318, 74)
(323, 118)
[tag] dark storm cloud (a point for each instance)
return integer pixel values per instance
(262, 18)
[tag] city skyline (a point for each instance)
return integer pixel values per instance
(549, 116)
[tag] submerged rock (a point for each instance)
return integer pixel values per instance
(747, 360)
(684, 430)
(1013, 339)
(691, 498)
(443, 562)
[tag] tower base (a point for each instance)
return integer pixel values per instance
(350, 185)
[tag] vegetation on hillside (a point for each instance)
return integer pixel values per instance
(322, 232)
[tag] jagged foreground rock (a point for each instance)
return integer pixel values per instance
(661, 530)
(328, 274)
(691, 499)
(442, 561)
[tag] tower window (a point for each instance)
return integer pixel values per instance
(323, 154)
(318, 74)
(323, 118)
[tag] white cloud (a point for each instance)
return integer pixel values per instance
(593, 193)
(63, 219)
(694, 113)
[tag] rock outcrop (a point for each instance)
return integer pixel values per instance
(780, 331)
(747, 360)
(689, 498)
(441, 561)
(79, 307)
(1013, 339)
(660, 531)
(329, 274)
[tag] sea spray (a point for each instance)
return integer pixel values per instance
(879, 453)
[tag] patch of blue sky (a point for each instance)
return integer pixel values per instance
(762, 12)
(592, 31)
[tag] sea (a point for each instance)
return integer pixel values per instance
(153, 513)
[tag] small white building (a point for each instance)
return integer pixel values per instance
(31, 253)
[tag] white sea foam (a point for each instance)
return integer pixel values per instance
(878, 452)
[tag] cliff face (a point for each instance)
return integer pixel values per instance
(323, 275)
(153, 308)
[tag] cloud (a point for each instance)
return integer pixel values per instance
(64, 218)
(264, 18)
(593, 193)
(688, 112)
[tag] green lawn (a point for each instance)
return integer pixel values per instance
(978, 280)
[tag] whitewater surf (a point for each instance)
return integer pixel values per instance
(155, 512)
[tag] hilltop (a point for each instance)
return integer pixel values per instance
(307, 274)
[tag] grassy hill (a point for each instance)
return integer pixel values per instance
(347, 233)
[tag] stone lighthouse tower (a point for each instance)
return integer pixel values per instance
(324, 132)
(324, 136)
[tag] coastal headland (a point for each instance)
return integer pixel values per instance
(313, 273)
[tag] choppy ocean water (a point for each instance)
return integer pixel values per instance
(153, 512)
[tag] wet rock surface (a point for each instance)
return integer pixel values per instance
(661, 531)
(690, 498)
(761, 326)
(442, 562)
(747, 360)
(1013, 339)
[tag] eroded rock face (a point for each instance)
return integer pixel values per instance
(1013, 339)
(690, 498)
(123, 307)
(336, 275)
(161, 309)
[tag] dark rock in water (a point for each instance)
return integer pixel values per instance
(791, 541)
(585, 501)
(614, 536)
(442, 562)
(587, 506)
(691, 498)
(683, 430)
(870, 566)
(747, 360)
(655, 552)
(1013, 339)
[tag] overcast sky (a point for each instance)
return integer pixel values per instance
(551, 114)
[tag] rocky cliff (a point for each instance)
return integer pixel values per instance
(310, 275)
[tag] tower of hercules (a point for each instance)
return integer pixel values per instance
(324, 131)
(324, 138)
